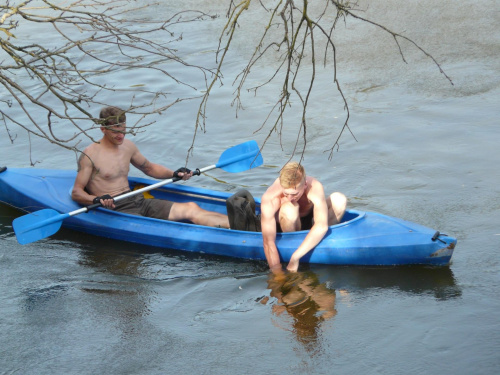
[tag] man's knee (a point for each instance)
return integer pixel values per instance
(192, 209)
(337, 207)
(184, 211)
(338, 200)
(289, 217)
(289, 211)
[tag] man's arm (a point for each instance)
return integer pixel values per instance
(268, 223)
(152, 169)
(317, 232)
(78, 194)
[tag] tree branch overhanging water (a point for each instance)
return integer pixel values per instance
(70, 76)
(67, 76)
(302, 36)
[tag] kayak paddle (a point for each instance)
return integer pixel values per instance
(44, 223)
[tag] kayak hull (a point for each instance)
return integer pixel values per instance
(363, 238)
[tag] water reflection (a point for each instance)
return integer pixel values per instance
(158, 264)
(306, 301)
(438, 281)
(7, 214)
(96, 286)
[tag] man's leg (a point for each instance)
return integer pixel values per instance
(289, 217)
(194, 213)
(337, 203)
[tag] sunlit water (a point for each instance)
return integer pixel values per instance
(426, 151)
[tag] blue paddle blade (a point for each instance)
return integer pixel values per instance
(241, 157)
(37, 225)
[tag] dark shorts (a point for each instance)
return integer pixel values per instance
(306, 222)
(138, 205)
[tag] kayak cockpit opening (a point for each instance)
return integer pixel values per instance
(349, 215)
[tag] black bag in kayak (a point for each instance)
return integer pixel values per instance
(241, 212)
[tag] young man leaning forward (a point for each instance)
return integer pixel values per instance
(297, 202)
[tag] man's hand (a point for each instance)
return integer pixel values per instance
(106, 201)
(183, 173)
(293, 265)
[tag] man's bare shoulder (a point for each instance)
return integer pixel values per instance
(92, 148)
(129, 144)
(314, 182)
(316, 189)
(88, 155)
(271, 200)
(272, 192)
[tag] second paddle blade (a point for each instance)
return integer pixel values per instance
(241, 157)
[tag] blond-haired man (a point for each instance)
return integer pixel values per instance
(297, 202)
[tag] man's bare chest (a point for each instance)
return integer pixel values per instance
(305, 206)
(111, 170)
(109, 166)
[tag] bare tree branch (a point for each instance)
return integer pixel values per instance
(301, 36)
(66, 78)
(72, 74)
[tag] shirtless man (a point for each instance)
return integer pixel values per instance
(297, 202)
(103, 173)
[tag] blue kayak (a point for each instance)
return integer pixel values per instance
(363, 238)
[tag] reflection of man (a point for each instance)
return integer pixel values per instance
(303, 297)
(297, 202)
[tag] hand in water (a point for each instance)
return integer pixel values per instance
(293, 265)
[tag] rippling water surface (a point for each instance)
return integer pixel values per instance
(426, 151)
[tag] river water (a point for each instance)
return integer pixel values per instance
(425, 151)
